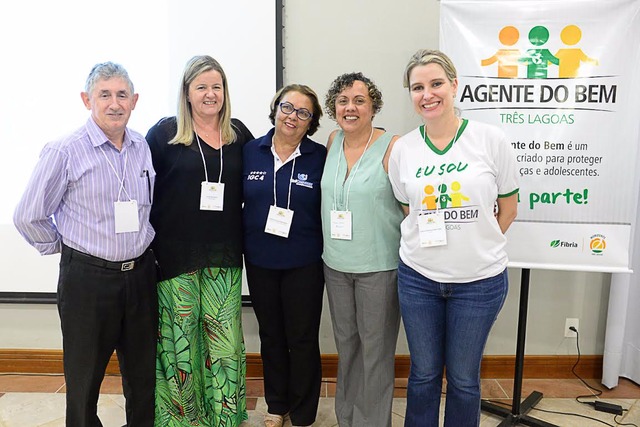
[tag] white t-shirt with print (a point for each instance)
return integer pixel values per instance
(463, 181)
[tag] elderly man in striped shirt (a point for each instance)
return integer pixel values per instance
(89, 198)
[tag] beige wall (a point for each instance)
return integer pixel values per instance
(553, 297)
(324, 39)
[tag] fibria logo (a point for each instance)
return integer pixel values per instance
(562, 244)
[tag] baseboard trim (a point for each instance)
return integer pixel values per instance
(34, 361)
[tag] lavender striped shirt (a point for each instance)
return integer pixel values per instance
(70, 197)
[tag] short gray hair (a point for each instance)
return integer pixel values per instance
(105, 71)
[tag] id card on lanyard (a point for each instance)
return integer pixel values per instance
(211, 193)
(432, 230)
(126, 216)
(211, 196)
(341, 222)
(279, 220)
(125, 212)
(341, 225)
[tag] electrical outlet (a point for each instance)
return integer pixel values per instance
(569, 322)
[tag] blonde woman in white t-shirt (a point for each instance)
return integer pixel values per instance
(452, 282)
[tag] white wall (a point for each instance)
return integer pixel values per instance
(153, 50)
(324, 39)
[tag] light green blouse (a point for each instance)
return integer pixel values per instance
(375, 213)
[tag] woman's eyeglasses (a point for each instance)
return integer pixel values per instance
(288, 108)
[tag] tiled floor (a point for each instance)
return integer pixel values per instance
(28, 401)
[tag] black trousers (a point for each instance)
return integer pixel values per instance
(101, 310)
(288, 305)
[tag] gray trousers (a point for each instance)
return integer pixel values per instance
(366, 318)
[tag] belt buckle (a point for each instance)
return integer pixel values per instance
(126, 266)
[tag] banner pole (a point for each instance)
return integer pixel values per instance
(519, 410)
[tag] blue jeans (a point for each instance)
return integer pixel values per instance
(447, 325)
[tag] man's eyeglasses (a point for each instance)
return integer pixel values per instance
(302, 113)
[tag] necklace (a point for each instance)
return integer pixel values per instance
(367, 143)
(457, 126)
(206, 135)
(454, 139)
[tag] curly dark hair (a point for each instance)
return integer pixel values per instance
(309, 93)
(345, 81)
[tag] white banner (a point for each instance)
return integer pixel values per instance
(561, 78)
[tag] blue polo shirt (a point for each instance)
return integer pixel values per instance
(304, 244)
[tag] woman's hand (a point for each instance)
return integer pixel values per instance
(507, 211)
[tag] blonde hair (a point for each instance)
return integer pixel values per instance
(426, 56)
(196, 66)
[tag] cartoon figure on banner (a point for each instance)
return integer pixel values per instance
(507, 59)
(537, 60)
(571, 58)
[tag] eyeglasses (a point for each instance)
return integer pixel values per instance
(288, 108)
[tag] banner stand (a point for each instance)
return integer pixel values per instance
(518, 414)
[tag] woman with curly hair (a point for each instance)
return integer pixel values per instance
(361, 229)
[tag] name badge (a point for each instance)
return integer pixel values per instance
(211, 196)
(432, 229)
(341, 225)
(279, 221)
(126, 214)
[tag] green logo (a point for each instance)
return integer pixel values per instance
(554, 243)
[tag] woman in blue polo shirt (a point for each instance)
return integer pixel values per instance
(283, 248)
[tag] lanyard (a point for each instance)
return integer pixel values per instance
(206, 175)
(124, 173)
(275, 203)
(352, 176)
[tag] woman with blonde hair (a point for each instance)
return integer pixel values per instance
(452, 277)
(197, 215)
